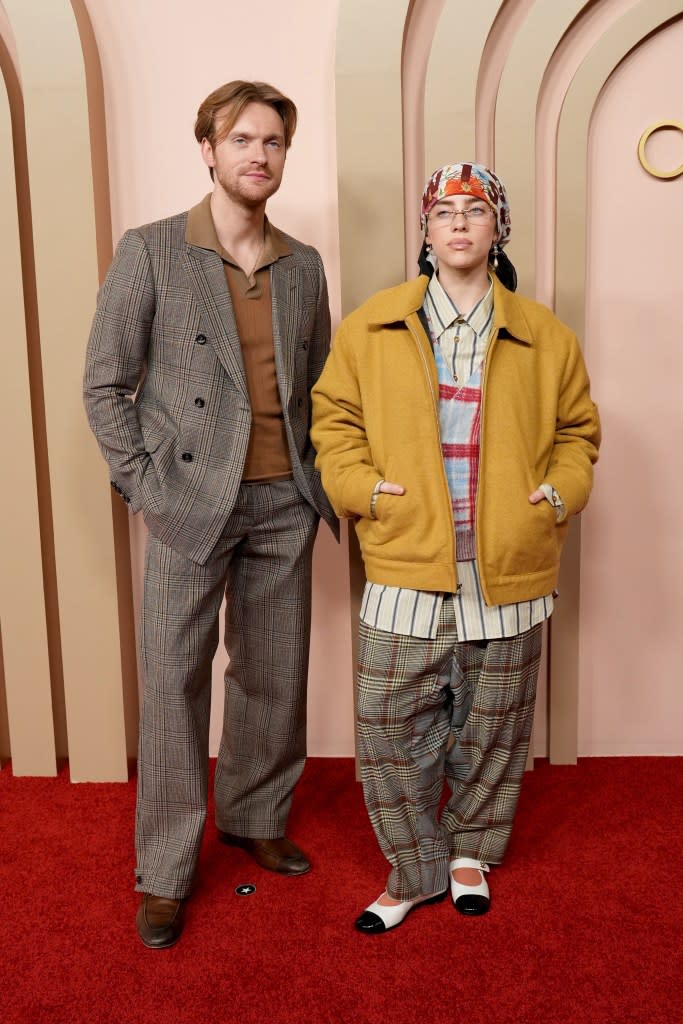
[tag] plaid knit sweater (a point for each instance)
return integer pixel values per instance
(460, 420)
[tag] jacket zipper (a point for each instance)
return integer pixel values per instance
(487, 362)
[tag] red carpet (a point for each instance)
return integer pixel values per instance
(585, 925)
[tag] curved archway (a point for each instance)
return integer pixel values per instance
(49, 53)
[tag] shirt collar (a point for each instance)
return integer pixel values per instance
(401, 304)
(200, 231)
(443, 312)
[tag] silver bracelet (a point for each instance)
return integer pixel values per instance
(373, 499)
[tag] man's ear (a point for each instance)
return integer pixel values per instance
(206, 150)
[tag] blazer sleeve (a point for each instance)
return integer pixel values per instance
(115, 364)
(320, 340)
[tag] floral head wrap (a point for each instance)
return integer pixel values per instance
(468, 180)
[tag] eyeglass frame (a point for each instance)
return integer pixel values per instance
(452, 214)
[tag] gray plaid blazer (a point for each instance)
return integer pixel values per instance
(165, 388)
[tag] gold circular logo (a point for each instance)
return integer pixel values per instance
(676, 125)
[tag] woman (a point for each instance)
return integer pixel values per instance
(453, 422)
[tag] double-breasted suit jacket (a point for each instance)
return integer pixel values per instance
(165, 388)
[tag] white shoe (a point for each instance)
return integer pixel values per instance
(380, 917)
(470, 899)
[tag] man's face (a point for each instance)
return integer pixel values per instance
(461, 242)
(248, 163)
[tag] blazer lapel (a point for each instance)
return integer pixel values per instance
(207, 279)
(286, 289)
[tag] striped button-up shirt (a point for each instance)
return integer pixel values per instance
(463, 342)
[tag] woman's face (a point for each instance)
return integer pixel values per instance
(461, 231)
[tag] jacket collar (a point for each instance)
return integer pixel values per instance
(508, 315)
(397, 304)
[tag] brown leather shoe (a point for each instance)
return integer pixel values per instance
(281, 855)
(159, 921)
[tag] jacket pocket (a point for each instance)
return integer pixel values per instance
(535, 543)
(388, 531)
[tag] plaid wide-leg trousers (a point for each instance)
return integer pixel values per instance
(262, 564)
(430, 710)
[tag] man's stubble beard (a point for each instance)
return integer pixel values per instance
(248, 199)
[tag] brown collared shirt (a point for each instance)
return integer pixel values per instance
(268, 451)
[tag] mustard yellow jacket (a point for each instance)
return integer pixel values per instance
(376, 416)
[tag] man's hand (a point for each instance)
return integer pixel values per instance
(388, 488)
(537, 496)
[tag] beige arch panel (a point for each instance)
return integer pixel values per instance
(63, 216)
(418, 39)
(593, 19)
(520, 122)
(597, 21)
(499, 42)
(452, 83)
(584, 60)
(119, 512)
(449, 107)
(369, 175)
(449, 101)
(29, 727)
(516, 53)
(4, 724)
(515, 135)
(520, 82)
(572, 148)
(514, 47)
(369, 146)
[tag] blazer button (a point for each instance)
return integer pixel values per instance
(299, 402)
(201, 339)
(199, 402)
(186, 457)
(305, 346)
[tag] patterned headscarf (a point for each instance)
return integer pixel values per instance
(468, 180)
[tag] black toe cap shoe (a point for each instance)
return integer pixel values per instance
(381, 917)
(370, 923)
(473, 904)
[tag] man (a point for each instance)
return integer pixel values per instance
(211, 328)
(454, 422)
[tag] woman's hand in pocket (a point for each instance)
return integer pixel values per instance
(386, 487)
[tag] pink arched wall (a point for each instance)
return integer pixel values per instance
(632, 544)
(160, 58)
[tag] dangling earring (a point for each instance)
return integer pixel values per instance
(495, 251)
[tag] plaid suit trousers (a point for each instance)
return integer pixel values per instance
(435, 710)
(263, 564)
